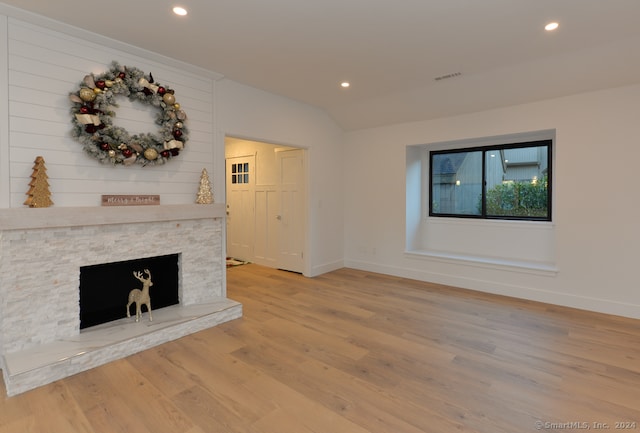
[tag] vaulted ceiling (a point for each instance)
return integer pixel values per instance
(495, 52)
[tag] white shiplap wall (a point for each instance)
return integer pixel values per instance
(43, 65)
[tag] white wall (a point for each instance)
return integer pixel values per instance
(44, 60)
(43, 65)
(596, 213)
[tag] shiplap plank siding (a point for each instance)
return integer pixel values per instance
(43, 67)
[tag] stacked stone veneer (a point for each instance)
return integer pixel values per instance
(42, 250)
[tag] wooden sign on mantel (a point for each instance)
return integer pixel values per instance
(130, 200)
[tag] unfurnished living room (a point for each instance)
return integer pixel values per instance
(290, 217)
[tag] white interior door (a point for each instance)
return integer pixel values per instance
(266, 234)
(240, 207)
(291, 216)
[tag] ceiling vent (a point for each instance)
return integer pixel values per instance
(444, 77)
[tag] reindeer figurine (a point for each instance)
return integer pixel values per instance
(141, 297)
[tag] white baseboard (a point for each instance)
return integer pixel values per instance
(498, 288)
(325, 267)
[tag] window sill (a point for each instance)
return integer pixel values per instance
(500, 223)
(540, 268)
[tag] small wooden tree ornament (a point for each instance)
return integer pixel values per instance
(205, 196)
(39, 194)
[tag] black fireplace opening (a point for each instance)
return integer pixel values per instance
(104, 288)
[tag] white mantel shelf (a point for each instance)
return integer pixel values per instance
(51, 217)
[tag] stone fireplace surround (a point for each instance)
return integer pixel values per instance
(41, 252)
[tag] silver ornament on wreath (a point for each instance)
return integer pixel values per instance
(93, 106)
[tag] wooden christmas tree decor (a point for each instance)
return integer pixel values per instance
(205, 196)
(39, 194)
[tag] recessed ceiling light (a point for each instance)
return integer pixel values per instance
(551, 26)
(345, 84)
(179, 11)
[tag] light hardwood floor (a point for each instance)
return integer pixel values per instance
(356, 352)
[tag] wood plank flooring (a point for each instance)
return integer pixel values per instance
(356, 352)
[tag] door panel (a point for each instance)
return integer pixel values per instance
(266, 251)
(291, 218)
(240, 207)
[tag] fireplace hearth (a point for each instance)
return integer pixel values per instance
(41, 253)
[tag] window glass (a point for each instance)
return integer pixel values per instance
(517, 182)
(242, 170)
(507, 181)
(456, 185)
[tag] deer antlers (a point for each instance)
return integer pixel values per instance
(139, 276)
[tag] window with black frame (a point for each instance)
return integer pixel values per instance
(509, 181)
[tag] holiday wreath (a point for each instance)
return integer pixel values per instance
(92, 112)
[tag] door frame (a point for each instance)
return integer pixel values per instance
(305, 188)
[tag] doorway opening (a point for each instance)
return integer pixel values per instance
(266, 203)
